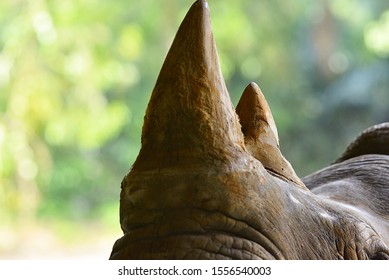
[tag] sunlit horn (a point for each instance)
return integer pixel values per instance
(260, 133)
(190, 120)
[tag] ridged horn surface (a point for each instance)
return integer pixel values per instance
(190, 119)
(260, 133)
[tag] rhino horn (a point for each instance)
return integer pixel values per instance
(260, 133)
(190, 120)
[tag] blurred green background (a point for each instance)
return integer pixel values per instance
(76, 77)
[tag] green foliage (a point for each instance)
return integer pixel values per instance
(76, 76)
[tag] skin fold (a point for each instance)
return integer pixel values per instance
(210, 182)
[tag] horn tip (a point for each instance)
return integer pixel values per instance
(253, 85)
(254, 92)
(202, 4)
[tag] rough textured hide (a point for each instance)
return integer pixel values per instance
(201, 188)
(360, 184)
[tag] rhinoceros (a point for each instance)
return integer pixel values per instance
(210, 181)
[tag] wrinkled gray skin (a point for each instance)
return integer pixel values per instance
(358, 182)
(197, 192)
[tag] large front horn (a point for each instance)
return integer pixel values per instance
(190, 120)
(191, 138)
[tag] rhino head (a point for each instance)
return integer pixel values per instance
(210, 181)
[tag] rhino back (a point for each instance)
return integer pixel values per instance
(373, 140)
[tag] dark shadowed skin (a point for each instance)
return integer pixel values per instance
(208, 185)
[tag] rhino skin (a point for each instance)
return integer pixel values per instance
(211, 183)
